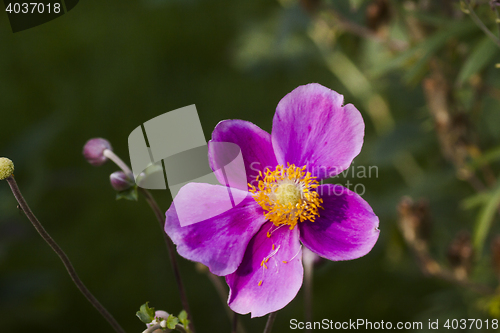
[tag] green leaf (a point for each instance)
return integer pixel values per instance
(475, 200)
(146, 314)
(485, 219)
(183, 316)
(480, 56)
(172, 321)
(184, 320)
(130, 194)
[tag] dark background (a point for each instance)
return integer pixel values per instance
(108, 66)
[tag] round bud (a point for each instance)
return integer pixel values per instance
(6, 168)
(120, 181)
(93, 151)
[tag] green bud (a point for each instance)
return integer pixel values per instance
(6, 168)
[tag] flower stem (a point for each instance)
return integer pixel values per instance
(480, 24)
(118, 161)
(171, 253)
(160, 216)
(64, 258)
(308, 260)
(234, 328)
(270, 322)
(223, 295)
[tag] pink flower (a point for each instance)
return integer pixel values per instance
(257, 245)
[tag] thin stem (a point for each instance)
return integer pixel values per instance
(234, 328)
(497, 19)
(153, 328)
(223, 295)
(270, 322)
(480, 23)
(118, 161)
(161, 220)
(308, 260)
(64, 258)
(171, 253)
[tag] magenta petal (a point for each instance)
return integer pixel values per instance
(346, 229)
(255, 145)
(218, 242)
(311, 127)
(280, 281)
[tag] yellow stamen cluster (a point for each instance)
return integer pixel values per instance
(287, 195)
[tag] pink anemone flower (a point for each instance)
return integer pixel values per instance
(257, 245)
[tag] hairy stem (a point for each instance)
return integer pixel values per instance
(308, 260)
(270, 322)
(64, 258)
(118, 161)
(160, 216)
(171, 253)
(234, 327)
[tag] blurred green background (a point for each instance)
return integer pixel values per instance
(106, 67)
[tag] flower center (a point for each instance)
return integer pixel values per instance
(287, 195)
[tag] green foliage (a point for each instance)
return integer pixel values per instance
(485, 219)
(480, 57)
(129, 194)
(183, 319)
(172, 321)
(146, 314)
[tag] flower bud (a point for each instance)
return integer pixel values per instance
(93, 151)
(6, 168)
(120, 181)
(160, 317)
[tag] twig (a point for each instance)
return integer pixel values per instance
(480, 23)
(270, 322)
(364, 32)
(64, 258)
(413, 223)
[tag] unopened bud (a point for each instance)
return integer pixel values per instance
(120, 181)
(93, 151)
(6, 168)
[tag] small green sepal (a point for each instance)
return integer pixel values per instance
(130, 194)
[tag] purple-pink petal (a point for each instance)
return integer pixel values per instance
(263, 287)
(255, 145)
(220, 241)
(311, 127)
(346, 229)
